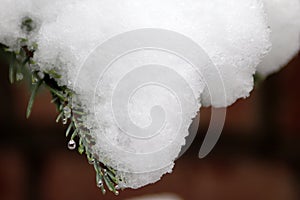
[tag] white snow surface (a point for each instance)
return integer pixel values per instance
(284, 20)
(142, 103)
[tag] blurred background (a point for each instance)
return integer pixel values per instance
(257, 157)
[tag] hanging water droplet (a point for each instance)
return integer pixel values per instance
(100, 183)
(41, 75)
(103, 191)
(34, 79)
(117, 187)
(67, 111)
(117, 193)
(91, 162)
(65, 121)
(72, 145)
(19, 76)
(105, 172)
(68, 115)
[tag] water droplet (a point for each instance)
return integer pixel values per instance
(41, 75)
(117, 193)
(72, 145)
(103, 191)
(34, 80)
(65, 121)
(117, 187)
(91, 162)
(19, 76)
(67, 111)
(68, 115)
(100, 184)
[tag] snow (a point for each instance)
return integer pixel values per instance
(284, 20)
(11, 14)
(235, 47)
(141, 101)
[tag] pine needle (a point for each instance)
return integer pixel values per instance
(32, 97)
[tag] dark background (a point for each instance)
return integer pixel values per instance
(257, 157)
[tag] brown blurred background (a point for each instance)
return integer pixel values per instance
(257, 157)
